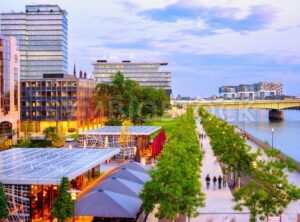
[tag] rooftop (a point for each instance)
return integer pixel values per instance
(116, 130)
(48, 165)
(128, 62)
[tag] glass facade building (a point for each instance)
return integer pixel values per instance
(61, 101)
(42, 32)
(9, 88)
(146, 73)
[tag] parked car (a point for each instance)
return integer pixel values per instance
(70, 139)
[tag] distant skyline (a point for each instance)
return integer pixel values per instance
(206, 43)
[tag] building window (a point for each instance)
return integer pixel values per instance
(16, 89)
(5, 128)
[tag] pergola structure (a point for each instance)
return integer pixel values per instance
(30, 177)
(134, 141)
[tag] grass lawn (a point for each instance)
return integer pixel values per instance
(167, 123)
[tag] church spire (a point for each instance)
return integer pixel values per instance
(74, 71)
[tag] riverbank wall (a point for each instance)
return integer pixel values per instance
(265, 146)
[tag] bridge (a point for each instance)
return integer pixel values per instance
(273, 105)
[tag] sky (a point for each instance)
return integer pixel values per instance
(206, 43)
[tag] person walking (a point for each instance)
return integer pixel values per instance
(215, 182)
(207, 181)
(220, 182)
(224, 180)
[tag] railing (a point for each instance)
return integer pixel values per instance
(265, 146)
(265, 104)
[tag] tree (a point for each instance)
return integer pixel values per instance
(23, 142)
(50, 132)
(3, 143)
(268, 193)
(62, 205)
(4, 213)
(56, 140)
(174, 186)
(125, 98)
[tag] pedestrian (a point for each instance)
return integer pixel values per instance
(215, 182)
(224, 180)
(220, 181)
(207, 181)
(227, 219)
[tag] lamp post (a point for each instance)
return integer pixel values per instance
(243, 122)
(272, 138)
(73, 193)
(254, 165)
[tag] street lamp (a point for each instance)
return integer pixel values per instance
(254, 165)
(243, 122)
(272, 138)
(73, 193)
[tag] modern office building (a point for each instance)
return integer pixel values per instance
(42, 32)
(61, 101)
(261, 90)
(31, 177)
(9, 89)
(268, 89)
(146, 73)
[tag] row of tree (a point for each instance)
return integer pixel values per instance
(125, 99)
(267, 192)
(174, 187)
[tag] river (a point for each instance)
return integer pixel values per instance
(286, 135)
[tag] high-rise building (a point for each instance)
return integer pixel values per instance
(42, 32)
(9, 89)
(61, 101)
(261, 90)
(145, 73)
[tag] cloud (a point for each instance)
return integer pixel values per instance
(199, 32)
(258, 17)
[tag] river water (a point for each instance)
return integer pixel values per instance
(286, 136)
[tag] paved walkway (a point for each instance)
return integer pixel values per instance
(219, 204)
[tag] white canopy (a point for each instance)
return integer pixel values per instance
(117, 130)
(48, 165)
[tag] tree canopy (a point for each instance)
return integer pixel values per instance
(268, 191)
(4, 214)
(126, 99)
(175, 186)
(62, 205)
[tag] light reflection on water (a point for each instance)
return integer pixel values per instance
(256, 122)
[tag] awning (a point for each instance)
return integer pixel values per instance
(103, 203)
(132, 165)
(131, 175)
(121, 186)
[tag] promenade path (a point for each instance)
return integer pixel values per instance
(290, 214)
(219, 204)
